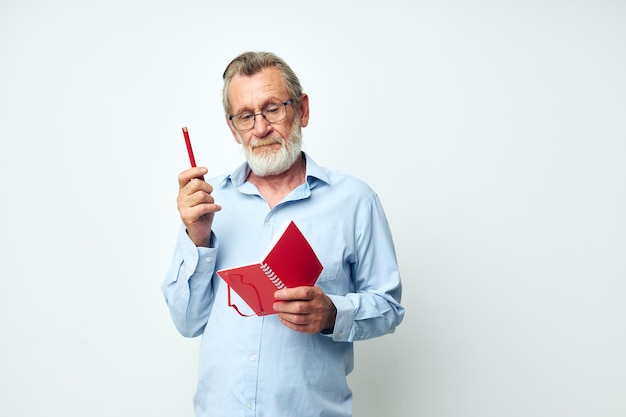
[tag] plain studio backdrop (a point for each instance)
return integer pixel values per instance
(493, 131)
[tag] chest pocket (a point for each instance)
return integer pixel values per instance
(331, 249)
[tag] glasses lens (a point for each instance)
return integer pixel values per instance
(244, 121)
(275, 113)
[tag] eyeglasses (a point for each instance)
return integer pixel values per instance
(273, 113)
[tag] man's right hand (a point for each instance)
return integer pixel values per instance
(196, 205)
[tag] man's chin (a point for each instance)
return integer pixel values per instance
(271, 158)
(265, 167)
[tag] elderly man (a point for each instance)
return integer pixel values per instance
(295, 362)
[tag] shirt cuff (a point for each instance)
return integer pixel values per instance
(343, 321)
(197, 259)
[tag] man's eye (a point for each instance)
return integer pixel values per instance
(245, 116)
(272, 109)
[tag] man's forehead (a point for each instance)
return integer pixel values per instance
(265, 83)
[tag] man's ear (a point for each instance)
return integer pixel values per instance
(304, 110)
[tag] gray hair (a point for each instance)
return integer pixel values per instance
(251, 63)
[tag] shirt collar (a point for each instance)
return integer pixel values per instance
(314, 173)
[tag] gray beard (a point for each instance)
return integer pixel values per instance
(275, 162)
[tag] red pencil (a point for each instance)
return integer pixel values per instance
(189, 149)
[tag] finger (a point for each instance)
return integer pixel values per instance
(189, 174)
(191, 198)
(195, 205)
(292, 307)
(295, 319)
(191, 215)
(195, 191)
(297, 324)
(198, 196)
(296, 293)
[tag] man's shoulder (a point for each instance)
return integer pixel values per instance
(348, 183)
(335, 177)
(342, 176)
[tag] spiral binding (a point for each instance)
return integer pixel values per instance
(272, 276)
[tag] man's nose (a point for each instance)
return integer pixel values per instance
(261, 126)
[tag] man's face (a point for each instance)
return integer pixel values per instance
(270, 148)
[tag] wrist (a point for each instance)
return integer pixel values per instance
(200, 239)
(330, 321)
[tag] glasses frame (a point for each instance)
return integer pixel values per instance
(261, 113)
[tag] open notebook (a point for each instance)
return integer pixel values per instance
(289, 262)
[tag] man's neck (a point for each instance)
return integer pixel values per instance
(275, 187)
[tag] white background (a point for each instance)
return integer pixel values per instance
(494, 132)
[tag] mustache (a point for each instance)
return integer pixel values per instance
(256, 143)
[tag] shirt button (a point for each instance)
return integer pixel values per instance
(249, 406)
(253, 358)
(340, 334)
(207, 259)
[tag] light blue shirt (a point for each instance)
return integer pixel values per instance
(255, 366)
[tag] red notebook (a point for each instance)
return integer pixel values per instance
(290, 262)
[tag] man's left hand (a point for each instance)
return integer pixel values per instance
(305, 309)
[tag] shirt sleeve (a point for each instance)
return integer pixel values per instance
(188, 287)
(373, 309)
